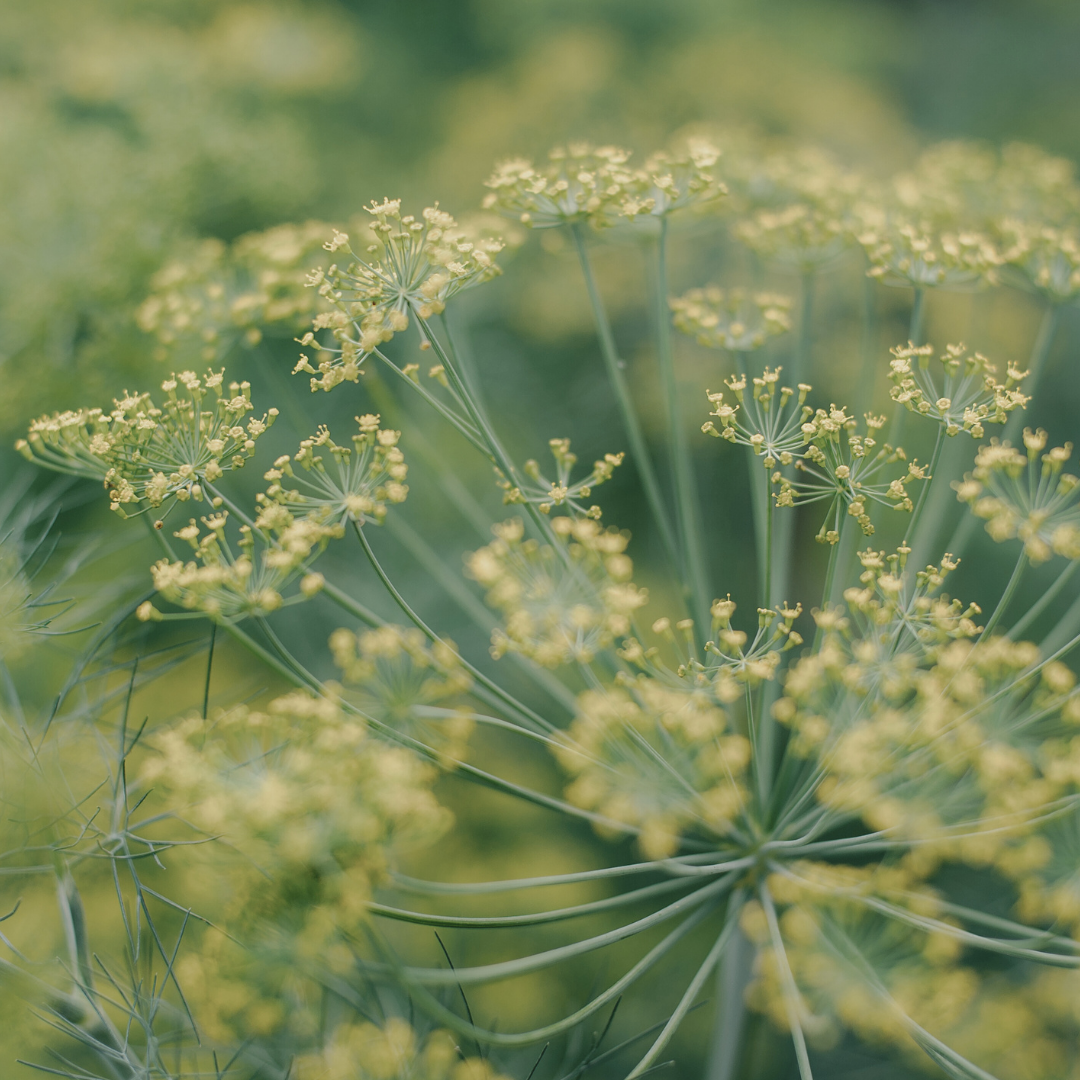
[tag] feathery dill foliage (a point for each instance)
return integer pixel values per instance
(855, 809)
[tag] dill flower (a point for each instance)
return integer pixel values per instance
(832, 937)
(205, 303)
(152, 454)
(673, 180)
(968, 396)
(913, 252)
(392, 1051)
(317, 811)
(847, 470)
(408, 686)
(657, 759)
(562, 491)
(731, 318)
(580, 183)
(802, 235)
(229, 585)
(1041, 258)
(563, 603)
(1027, 496)
(358, 486)
(412, 267)
(770, 423)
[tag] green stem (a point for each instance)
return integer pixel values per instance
(1040, 350)
(766, 592)
(927, 485)
(690, 532)
(209, 669)
(830, 573)
(1006, 596)
(733, 978)
(864, 392)
(488, 684)
(801, 362)
(624, 402)
(495, 447)
(1047, 598)
(915, 327)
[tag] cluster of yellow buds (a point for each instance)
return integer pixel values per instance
(392, 1051)
(408, 687)
(771, 420)
(203, 304)
(413, 266)
(562, 491)
(969, 396)
(318, 809)
(1042, 258)
(835, 924)
(580, 183)
(731, 319)
(657, 759)
(147, 454)
(229, 587)
(560, 603)
(1026, 496)
(847, 470)
(364, 479)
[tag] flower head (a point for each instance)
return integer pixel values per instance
(1026, 496)
(357, 484)
(579, 183)
(559, 604)
(562, 491)
(968, 394)
(411, 268)
(731, 318)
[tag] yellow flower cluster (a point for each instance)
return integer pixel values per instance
(732, 319)
(561, 603)
(1042, 258)
(229, 587)
(562, 491)
(969, 395)
(846, 470)
(659, 759)
(202, 305)
(852, 967)
(1026, 496)
(364, 479)
(150, 454)
(412, 267)
(312, 811)
(771, 423)
(392, 1051)
(954, 755)
(408, 686)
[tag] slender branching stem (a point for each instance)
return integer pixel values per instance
(915, 329)
(1006, 596)
(935, 458)
(1044, 601)
(624, 402)
(691, 539)
(1040, 351)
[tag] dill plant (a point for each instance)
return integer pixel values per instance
(804, 784)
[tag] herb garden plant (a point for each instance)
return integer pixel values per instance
(844, 812)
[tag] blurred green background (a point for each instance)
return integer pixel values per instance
(131, 128)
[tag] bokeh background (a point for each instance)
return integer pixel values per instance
(131, 130)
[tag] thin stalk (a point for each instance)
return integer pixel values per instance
(830, 572)
(1047, 598)
(1006, 596)
(766, 590)
(1040, 350)
(915, 328)
(864, 392)
(686, 499)
(495, 447)
(209, 669)
(733, 977)
(624, 402)
(489, 684)
(696, 983)
(801, 361)
(935, 458)
(792, 998)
